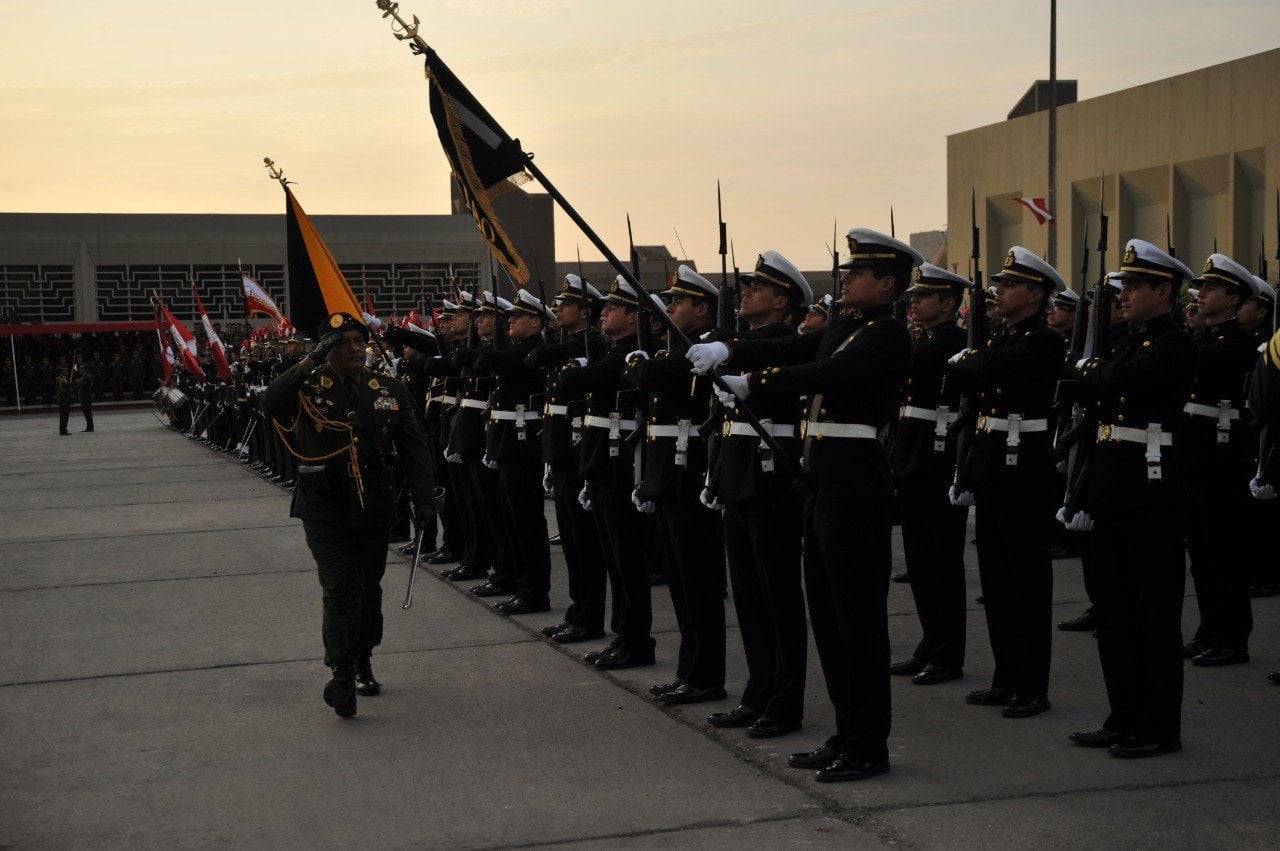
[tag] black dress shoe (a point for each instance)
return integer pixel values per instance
(1083, 622)
(366, 685)
(1193, 649)
(768, 728)
(990, 697)
(574, 634)
(933, 674)
(407, 549)
(1274, 677)
(656, 579)
(64, 434)
(739, 716)
(554, 540)
(489, 589)
(1263, 589)
(980, 600)
(819, 758)
(907, 667)
(441, 556)
(1219, 656)
(1103, 738)
(549, 631)
(522, 606)
(843, 770)
(624, 658)
(340, 691)
(901, 578)
(1132, 748)
(1026, 707)
(596, 655)
(662, 688)
(465, 573)
(692, 694)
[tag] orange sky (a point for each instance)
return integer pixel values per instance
(807, 111)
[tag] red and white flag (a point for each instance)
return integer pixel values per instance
(184, 342)
(256, 300)
(215, 342)
(1039, 208)
(166, 356)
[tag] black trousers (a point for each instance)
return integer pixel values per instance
(350, 563)
(86, 408)
(1013, 526)
(475, 546)
(520, 481)
(452, 534)
(618, 525)
(847, 585)
(762, 539)
(583, 556)
(64, 415)
(1141, 578)
(1217, 542)
(933, 532)
(695, 535)
(1263, 524)
(492, 521)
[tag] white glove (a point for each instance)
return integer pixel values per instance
(638, 354)
(956, 358)
(584, 498)
(450, 457)
(1261, 489)
(488, 462)
(1079, 522)
(739, 384)
(708, 500)
(580, 361)
(373, 322)
(643, 506)
(707, 356)
(547, 487)
(959, 497)
(1080, 363)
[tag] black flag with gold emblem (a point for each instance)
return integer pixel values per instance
(483, 157)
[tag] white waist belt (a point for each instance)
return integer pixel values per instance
(515, 416)
(1153, 437)
(592, 421)
(1001, 424)
(475, 403)
(556, 410)
(670, 431)
(1195, 409)
(860, 431)
(745, 430)
(449, 400)
(930, 414)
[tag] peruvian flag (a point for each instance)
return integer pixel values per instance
(185, 342)
(215, 342)
(1039, 208)
(166, 356)
(256, 300)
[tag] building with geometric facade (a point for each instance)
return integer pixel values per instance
(1200, 150)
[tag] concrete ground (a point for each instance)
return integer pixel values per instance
(160, 686)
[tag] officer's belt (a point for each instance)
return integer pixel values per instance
(986, 423)
(819, 430)
(514, 416)
(475, 403)
(1153, 437)
(931, 414)
(1196, 409)
(449, 400)
(670, 431)
(593, 421)
(556, 410)
(736, 429)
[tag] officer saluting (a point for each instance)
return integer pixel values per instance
(1135, 494)
(345, 425)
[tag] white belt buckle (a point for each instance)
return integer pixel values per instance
(1153, 452)
(519, 422)
(1012, 441)
(766, 454)
(1224, 421)
(940, 429)
(615, 429)
(682, 442)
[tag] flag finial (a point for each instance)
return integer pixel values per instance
(400, 28)
(276, 173)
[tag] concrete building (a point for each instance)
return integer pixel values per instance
(102, 267)
(1200, 150)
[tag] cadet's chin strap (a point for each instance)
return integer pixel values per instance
(322, 422)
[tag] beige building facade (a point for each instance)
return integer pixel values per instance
(1200, 150)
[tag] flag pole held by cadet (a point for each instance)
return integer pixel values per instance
(503, 151)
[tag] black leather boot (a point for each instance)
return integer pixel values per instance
(340, 691)
(366, 685)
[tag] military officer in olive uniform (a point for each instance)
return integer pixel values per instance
(1134, 496)
(346, 426)
(64, 399)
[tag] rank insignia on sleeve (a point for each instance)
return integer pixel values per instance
(373, 384)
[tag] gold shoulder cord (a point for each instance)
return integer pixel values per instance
(322, 422)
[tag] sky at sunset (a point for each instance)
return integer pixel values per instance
(807, 111)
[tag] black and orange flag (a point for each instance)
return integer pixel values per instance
(317, 287)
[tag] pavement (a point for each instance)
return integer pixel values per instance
(161, 674)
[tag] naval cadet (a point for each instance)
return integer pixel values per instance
(1257, 316)
(1134, 496)
(346, 426)
(1015, 491)
(853, 372)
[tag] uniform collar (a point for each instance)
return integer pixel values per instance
(862, 314)
(949, 323)
(1226, 326)
(1033, 322)
(1156, 325)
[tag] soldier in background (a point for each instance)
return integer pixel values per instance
(85, 387)
(64, 399)
(818, 315)
(1256, 317)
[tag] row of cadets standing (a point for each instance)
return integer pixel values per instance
(763, 517)
(853, 373)
(674, 461)
(562, 424)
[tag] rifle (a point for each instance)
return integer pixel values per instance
(835, 267)
(499, 328)
(644, 330)
(590, 303)
(726, 323)
(963, 429)
(1070, 426)
(1097, 345)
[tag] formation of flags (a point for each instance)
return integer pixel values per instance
(212, 339)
